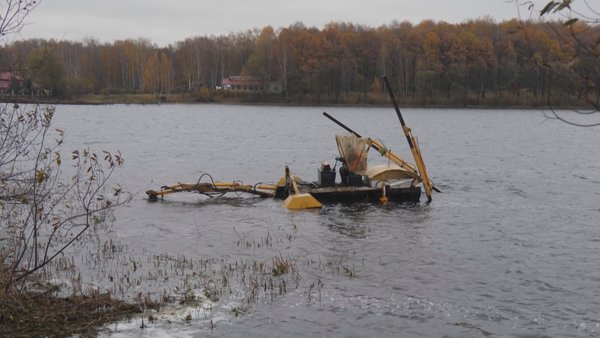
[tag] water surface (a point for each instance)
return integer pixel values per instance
(509, 249)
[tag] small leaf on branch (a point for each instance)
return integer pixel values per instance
(570, 22)
(549, 6)
(563, 5)
(40, 176)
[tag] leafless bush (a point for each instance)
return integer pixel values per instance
(43, 208)
(12, 14)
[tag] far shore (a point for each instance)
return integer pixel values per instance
(151, 99)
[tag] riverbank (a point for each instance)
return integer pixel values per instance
(42, 313)
(354, 100)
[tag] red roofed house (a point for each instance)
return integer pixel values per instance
(12, 83)
(8, 80)
(248, 84)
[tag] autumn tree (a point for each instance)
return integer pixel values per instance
(343, 73)
(579, 33)
(190, 64)
(262, 62)
(158, 75)
(363, 44)
(398, 57)
(283, 57)
(517, 62)
(429, 68)
(48, 71)
(505, 74)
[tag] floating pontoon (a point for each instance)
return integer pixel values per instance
(398, 181)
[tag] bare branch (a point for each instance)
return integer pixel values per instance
(583, 73)
(556, 116)
(13, 14)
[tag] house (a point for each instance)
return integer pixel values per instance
(12, 83)
(9, 80)
(242, 84)
(249, 84)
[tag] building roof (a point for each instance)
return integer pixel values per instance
(241, 80)
(7, 77)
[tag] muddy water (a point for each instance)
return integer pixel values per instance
(510, 248)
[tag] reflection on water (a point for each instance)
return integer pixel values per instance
(354, 219)
(509, 248)
(347, 219)
(197, 200)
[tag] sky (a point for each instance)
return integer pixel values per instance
(170, 21)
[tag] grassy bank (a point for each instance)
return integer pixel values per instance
(42, 314)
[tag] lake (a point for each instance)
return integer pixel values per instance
(510, 248)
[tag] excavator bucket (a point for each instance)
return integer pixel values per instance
(301, 201)
(296, 200)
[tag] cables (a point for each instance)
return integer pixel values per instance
(212, 182)
(209, 176)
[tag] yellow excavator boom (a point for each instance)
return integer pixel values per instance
(262, 190)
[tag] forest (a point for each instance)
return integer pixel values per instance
(474, 63)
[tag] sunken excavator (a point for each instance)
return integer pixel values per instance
(398, 181)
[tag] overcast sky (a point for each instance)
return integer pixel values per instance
(168, 21)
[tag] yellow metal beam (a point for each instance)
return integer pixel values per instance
(208, 188)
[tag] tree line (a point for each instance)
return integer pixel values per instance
(477, 62)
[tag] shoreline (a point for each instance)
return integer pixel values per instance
(146, 99)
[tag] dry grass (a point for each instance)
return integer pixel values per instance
(281, 266)
(25, 314)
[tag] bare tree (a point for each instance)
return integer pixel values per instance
(44, 206)
(577, 25)
(13, 13)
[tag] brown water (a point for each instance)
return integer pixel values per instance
(510, 248)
